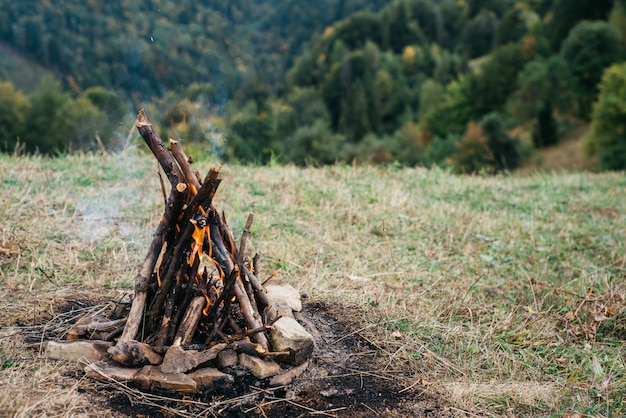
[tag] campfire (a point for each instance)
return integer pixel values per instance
(200, 315)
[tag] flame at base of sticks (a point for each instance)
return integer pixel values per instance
(198, 303)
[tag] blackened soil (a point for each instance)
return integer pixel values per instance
(348, 377)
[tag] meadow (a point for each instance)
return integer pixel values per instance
(506, 293)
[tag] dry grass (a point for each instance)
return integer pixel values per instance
(507, 293)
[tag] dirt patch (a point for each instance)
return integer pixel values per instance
(349, 376)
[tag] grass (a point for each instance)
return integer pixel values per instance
(506, 292)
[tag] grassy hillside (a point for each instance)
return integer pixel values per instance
(507, 293)
(23, 73)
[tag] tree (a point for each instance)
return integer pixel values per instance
(453, 17)
(496, 79)
(568, 13)
(588, 50)
(543, 85)
(47, 125)
(607, 134)
(479, 34)
(516, 23)
(503, 149)
(14, 111)
(472, 154)
(314, 143)
(252, 138)
(402, 28)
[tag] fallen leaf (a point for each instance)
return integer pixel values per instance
(599, 317)
(396, 335)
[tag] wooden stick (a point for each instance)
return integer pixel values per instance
(137, 308)
(174, 204)
(224, 300)
(252, 318)
(244, 238)
(185, 164)
(156, 145)
(255, 264)
(190, 321)
(260, 293)
(168, 309)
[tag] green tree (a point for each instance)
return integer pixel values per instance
(455, 110)
(301, 107)
(479, 34)
(84, 125)
(543, 85)
(453, 17)
(14, 112)
(496, 79)
(516, 23)
(503, 149)
(588, 50)
(252, 134)
(314, 144)
(568, 13)
(47, 125)
(607, 134)
(113, 110)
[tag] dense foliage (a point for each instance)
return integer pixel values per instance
(607, 136)
(468, 83)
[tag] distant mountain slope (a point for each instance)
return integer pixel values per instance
(151, 46)
(23, 72)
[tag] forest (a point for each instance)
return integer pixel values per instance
(474, 85)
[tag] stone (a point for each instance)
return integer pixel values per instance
(288, 376)
(86, 351)
(287, 335)
(259, 368)
(279, 292)
(177, 360)
(227, 358)
(210, 377)
(134, 353)
(150, 377)
(104, 370)
(275, 311)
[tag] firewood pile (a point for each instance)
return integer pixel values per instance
(200, 316)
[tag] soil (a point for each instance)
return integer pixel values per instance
(348, 376)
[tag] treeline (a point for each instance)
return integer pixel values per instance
(53, 121)
(412, 84)
(475, 84)
(147, 48)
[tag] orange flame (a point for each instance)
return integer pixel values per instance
(196, 245)
(158, 269)
(207, 308)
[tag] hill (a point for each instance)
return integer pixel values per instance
(23, 73)
(505, 293)
(150, 47)
(411, 82)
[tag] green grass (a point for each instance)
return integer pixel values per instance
(506, 292)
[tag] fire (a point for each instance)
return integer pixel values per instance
(158, 269)
(209, 276)
(201, 230)
(198, 241)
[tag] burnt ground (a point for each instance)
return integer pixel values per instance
(349, 376)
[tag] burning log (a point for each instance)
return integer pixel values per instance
(197, 296)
